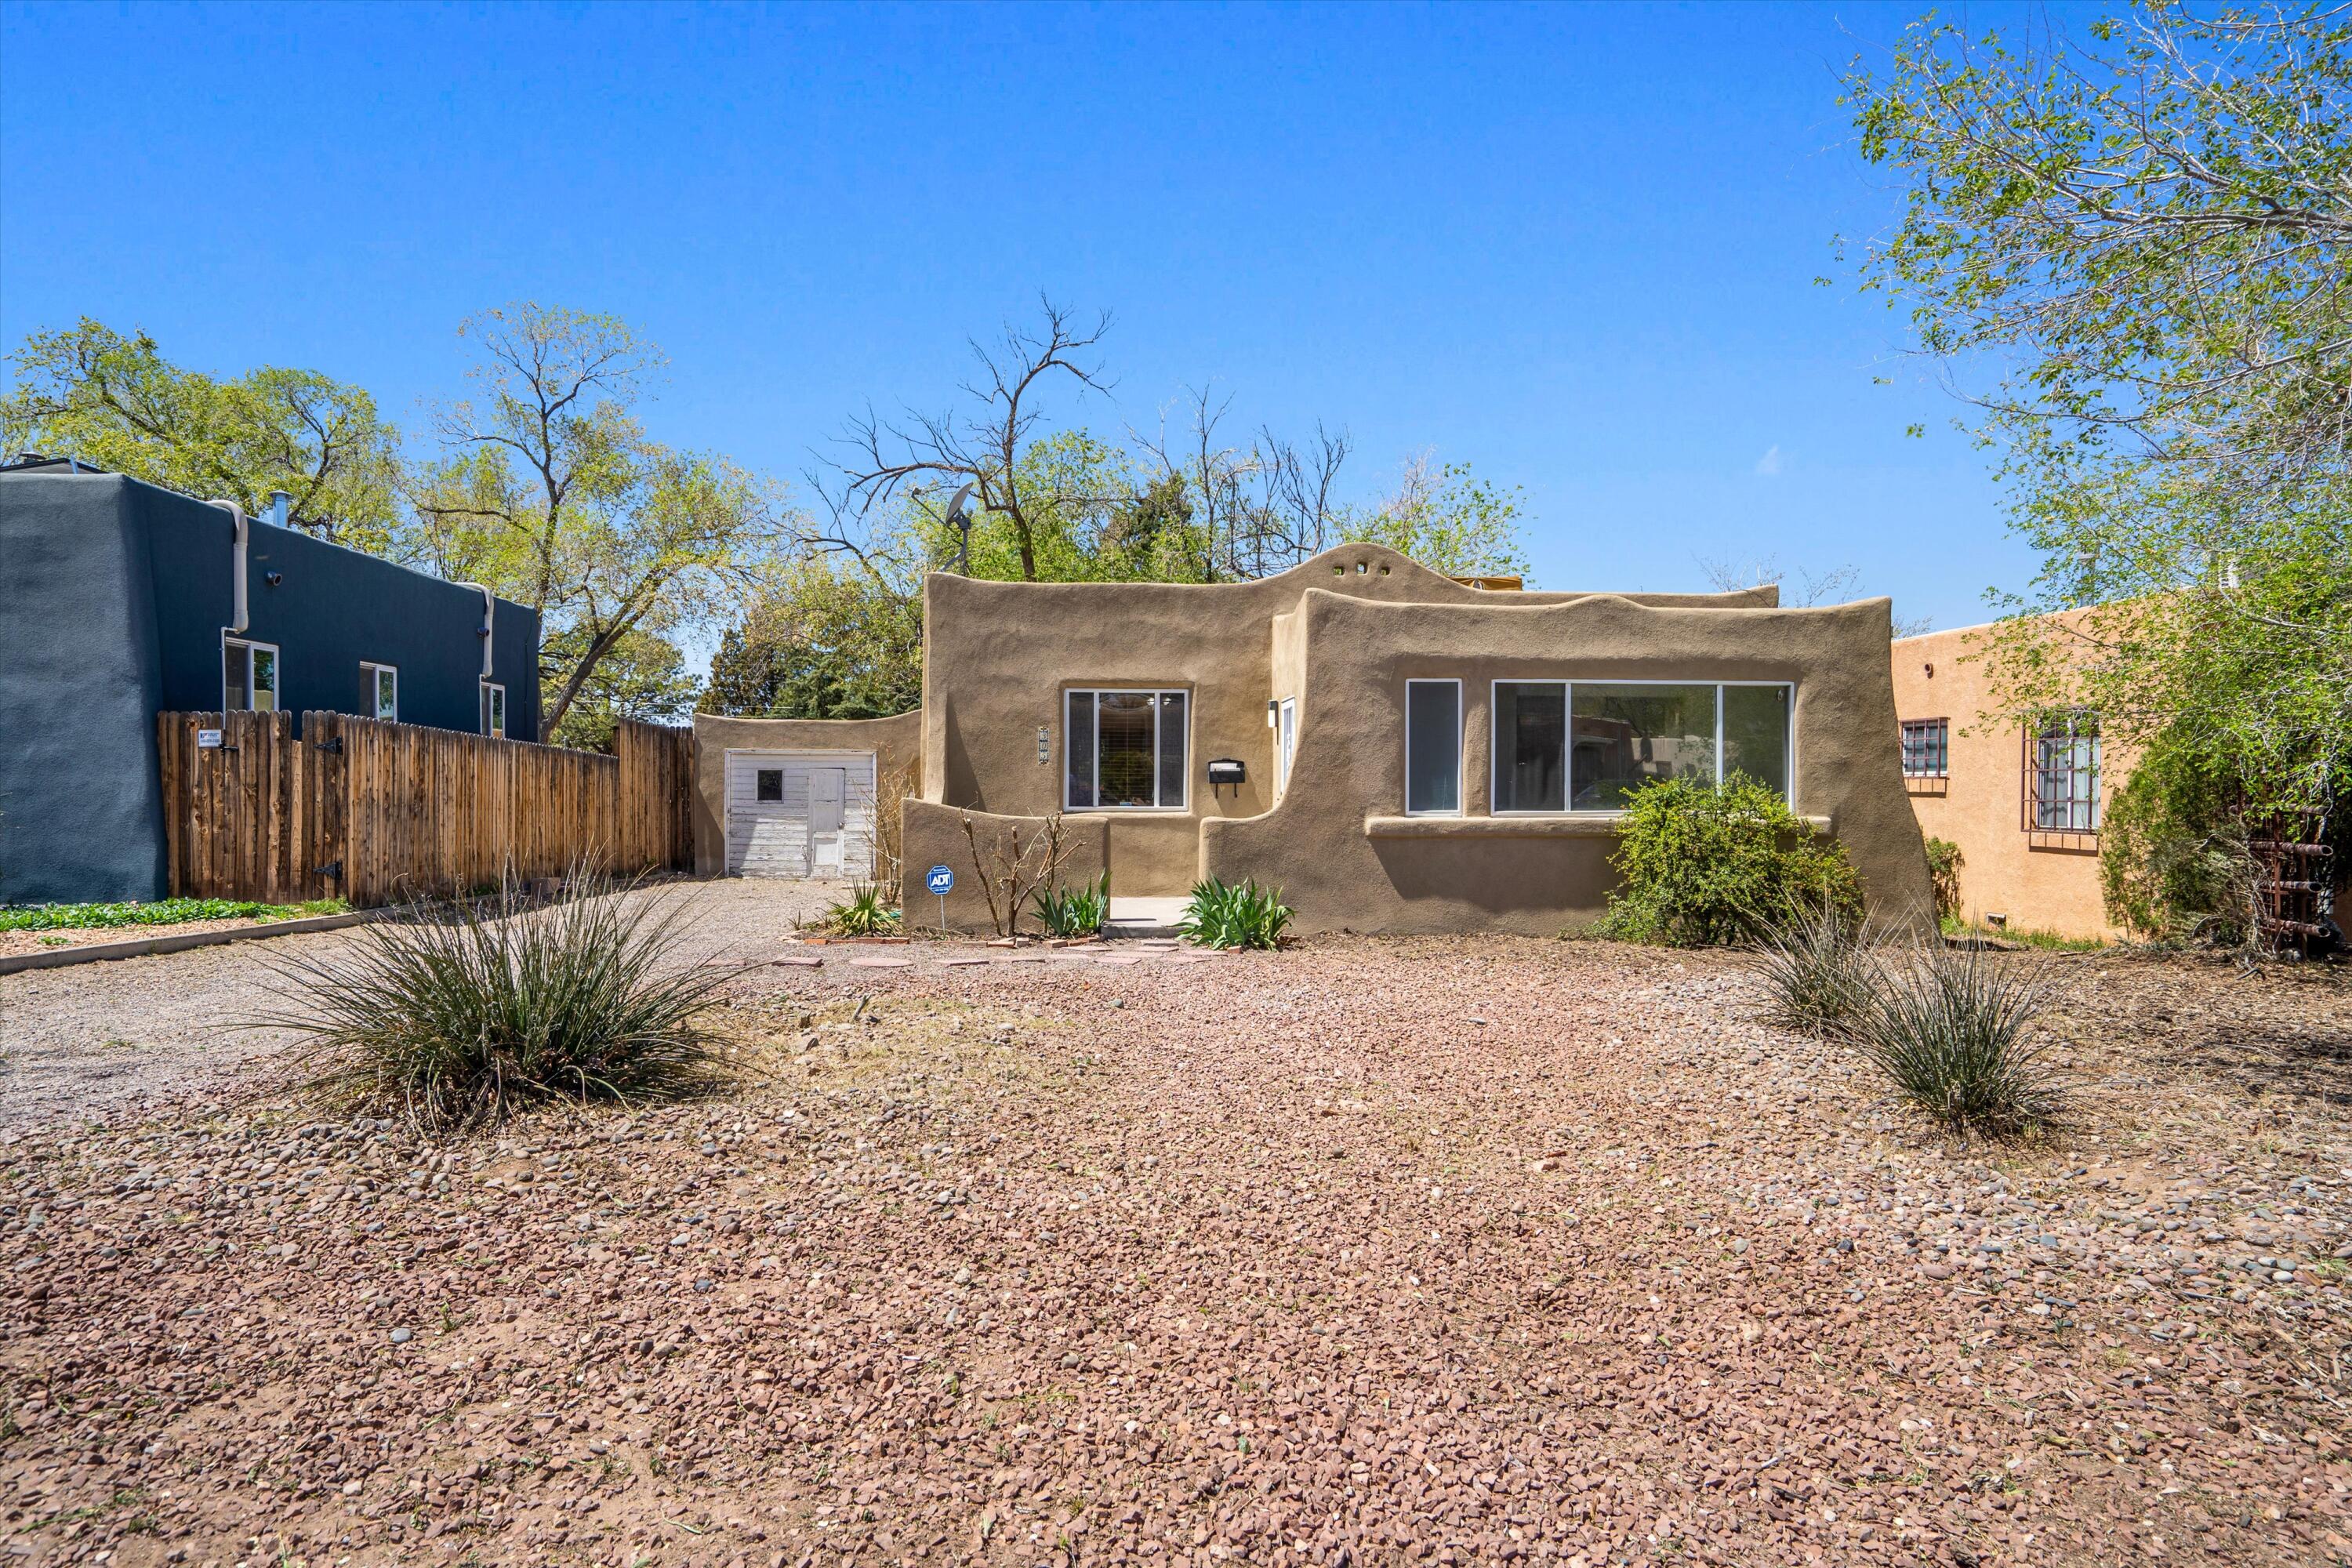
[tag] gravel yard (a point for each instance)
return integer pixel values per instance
(1373, 1251)
(108, 1038)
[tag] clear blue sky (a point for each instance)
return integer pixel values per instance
(1573, 246)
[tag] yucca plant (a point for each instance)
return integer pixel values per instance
(1956, 1029)
(1225, 914)
(1817, 970)
(460, 1013)
(1074, 911)
(867, 912)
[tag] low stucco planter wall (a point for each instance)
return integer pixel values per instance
(935, 836)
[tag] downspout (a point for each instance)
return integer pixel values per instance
(242, 535)
(489, 614)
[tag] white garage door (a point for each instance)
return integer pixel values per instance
(800, 813)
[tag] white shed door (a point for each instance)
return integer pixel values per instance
(800, 813)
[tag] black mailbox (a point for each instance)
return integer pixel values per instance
(1223, 771)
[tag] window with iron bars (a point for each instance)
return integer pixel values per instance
(1927, 748)
(2062, 774)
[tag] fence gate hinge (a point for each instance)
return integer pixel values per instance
(331, 868)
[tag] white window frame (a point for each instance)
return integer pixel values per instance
(1568, 735)
(1286, 743)
(277, 673)
(1461, 747)
(498, 733)
(372, 674)
(1159, 720)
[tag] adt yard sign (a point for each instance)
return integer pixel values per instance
(208, 740)
(939, 880)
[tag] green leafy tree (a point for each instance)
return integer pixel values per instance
(822, 641)
(1182, 505)
(643, 677)
(90, 393)
(1450, 520)
(549, 492)
(2138, 246)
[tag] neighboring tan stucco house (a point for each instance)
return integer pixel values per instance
(2024, 804)
(1415, 754)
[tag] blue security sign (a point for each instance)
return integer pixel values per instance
(939, 880)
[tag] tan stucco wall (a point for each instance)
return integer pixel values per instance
(892, 740)
(2040, 881)
(1340, 865)
(935, 836)
(999, 656)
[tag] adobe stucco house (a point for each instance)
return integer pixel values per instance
(1405, 752)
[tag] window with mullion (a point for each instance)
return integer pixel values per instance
(1125, 750)
(1588, 745)
(2066, 774)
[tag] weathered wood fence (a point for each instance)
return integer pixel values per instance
(372, 812)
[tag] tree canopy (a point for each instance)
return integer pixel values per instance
(115, 402)
(549, 490)
(2130, 253)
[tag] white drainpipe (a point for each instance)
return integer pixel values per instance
(242, 536)
(489, 615)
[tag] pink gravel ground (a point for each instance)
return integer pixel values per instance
(1369, 1252)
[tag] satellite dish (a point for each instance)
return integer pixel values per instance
(958, 517)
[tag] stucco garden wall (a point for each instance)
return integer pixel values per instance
(935, 836)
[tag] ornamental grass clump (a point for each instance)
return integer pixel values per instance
(459, 1015)
(1225, 914)
(1956, 1029)
(1817, 971)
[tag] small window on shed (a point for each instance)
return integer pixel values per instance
(772, 783)
(494, 709)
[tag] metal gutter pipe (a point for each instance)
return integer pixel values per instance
(242, 536)
(489, 616)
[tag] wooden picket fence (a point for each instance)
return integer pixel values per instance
(373, 812)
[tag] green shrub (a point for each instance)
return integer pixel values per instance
(1221, 914)
(1816, 967)
(459, 1014)
(1699, 866)
(1080, 911)
(867, 913)
(2173, 862)
(162, 912)
(1943, 862)
(1955, 1029)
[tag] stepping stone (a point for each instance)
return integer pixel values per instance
(881, 963)
(1119, 960)
(965, 963)
(796, 961)
(1159, 945)
(1022, 958)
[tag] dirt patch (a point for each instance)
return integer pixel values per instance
(1243, 1261)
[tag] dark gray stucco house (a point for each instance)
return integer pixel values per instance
(120, 600)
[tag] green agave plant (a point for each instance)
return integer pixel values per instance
(1225, 914)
